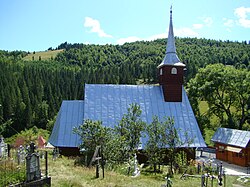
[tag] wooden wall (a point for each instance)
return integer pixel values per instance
(241, 159)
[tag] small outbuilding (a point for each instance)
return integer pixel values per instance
(232, 146)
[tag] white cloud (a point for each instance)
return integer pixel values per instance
(95, 27)
(228, 22)
(128, 40)
(135, 38)
(157, 36)
(197, 26)
(241, 13)
(181, 32)
(185, 32)
(208, 21)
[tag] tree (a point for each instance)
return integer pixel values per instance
(92, 134)
(131, 127)
(172, 141)
(4, 126)
(156, 132)
(227, 92)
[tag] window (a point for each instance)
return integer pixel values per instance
(221, 149)
(173, 71)
(240, 155)
(161, 71)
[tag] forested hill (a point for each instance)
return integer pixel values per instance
(31, 91)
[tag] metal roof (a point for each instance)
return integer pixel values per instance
(171, 57)
(69, 116)
(109, 103)
(233, 137)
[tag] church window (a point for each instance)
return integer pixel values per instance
(173, 71)
(161, 71)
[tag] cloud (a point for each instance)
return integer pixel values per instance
(228, 22)
(197, 26)
(95, 27)
(181, 32)
(157, 36)
(135, 38)
(128, 40)
(241, 13)
(185, 32)
(208, 21)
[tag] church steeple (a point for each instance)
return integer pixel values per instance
(171, 57)
(171, 70)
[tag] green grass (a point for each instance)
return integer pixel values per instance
(63, 172)
(45, 55)
(10, 172)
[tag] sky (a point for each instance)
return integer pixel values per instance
(36, 25)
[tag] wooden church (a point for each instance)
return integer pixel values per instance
(109, 102)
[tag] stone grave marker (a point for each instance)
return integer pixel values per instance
(3, 148)
(33, 171)
(136, 172)
(21, 154)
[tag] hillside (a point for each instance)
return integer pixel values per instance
(43, 55)
(31, 91)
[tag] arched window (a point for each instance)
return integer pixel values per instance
(161, 71)
(173, 71)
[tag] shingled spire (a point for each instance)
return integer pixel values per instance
(171, 57)
(171, 70)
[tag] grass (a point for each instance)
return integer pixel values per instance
(45, 55)
(64, 173)
(10, 172)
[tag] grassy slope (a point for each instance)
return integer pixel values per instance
(43, 54)
(64, 173)
(208, 132)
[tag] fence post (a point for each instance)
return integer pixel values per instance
(202, 180)
(46, 164)
(224, 176)
(97, 170)
(198, 168)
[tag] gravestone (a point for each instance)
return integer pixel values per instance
(33, 171)
(21, 154)
(3, 148)
(136, 168)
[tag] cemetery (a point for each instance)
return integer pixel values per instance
(22, 167)
(28, 166)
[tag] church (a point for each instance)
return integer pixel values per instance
(109, 102)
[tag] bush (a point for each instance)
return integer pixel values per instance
(191, 170)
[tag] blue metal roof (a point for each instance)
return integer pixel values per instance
(233, 137)
(109, 103)
(69, 116)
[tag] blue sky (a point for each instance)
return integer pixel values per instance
(36, 25)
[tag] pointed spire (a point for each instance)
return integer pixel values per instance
(171, 57)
